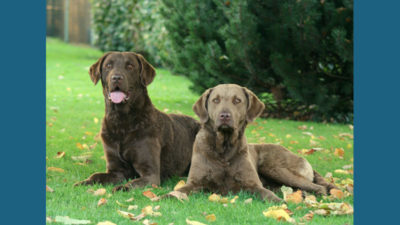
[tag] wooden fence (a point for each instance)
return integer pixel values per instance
(77, 30)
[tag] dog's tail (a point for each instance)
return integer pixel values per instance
(318, 179)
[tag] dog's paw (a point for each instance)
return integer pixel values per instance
(322, 191)
(84, 182)
(125, 187)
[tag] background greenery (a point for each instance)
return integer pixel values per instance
(75, 107)
(295, 53)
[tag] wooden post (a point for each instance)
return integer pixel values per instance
(66, 21)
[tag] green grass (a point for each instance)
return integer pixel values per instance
(73, 103)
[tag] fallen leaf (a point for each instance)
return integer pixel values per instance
(55, 169)
(346, 135)
(148, 211)
(49, 189)
(106, 223)
(180, 184)
(336, 193)
(100, 191)
(129, 200)
(67, 220)
(149, 194)
(328, 175)
(132, 207)
(224, 200)
(333, 208)
(214, 198)
(126, 214)
(211, 218)
(340, 171)
(279, 213)
(49, 219)
(234, 199)
(82, 158)
(79, 145)
(102, 201)
(310, 199)
(59, 155)
(350, 188)
(346, 167)
(95, 120)
(157, 207)
(294, 142)
(248, 201)
(339, 152)
(308, 217)
(302, 127)
(192, 222)
(295, 197)
(309, 152)
(288, 136)
(176, 194)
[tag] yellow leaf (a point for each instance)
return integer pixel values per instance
(49, 189)
(95, 120)
(211, 218)
(234, 199)
(106, 223)
(214, 198)
(349, 145)
(100, 191)
(126, 214)
(85, 146)
(340, 171)
(295, 197)
(279, 213)
(288, 136)
(224, 200)
(59, 155)
(339, 152)
(149, 194)
(248, 201)
(79, 145)
(102, 201)
(132, 207)
(55, 169)
(336, 193)
(192, 222)
(180, 184)
(176, 194)
(129, 200)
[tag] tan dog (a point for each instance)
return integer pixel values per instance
(222, 160)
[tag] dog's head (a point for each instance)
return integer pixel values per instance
(228, 107)
(123, 75)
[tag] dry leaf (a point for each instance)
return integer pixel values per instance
(180, 184)
(67, 220)
(82, 158)
(279, 213)
(339, 152)
(102, 201)
(79, 145)
(149, 194)
(148, 211)
(132, 207)
(126, 214)
(95, 120)
(55, 169)
(59, 155)
(303, 127)
(346, 135)
(176, 194)
(233, 200)
(49, 189)
(211, 218)
(100, 191)
(129, 200)
(333, 208)
(308, 216)
(295, 197)
(224, 200)
(336, 193)
(157, 207)
(310, 199)
(106, 223)
(214, 198)
(248, 201)
(192, 222)
(340, 171)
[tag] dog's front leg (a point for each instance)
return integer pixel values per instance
(146, 162)
(113, 174)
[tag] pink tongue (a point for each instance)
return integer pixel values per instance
(117, 96)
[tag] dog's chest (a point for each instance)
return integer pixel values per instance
(223, 178)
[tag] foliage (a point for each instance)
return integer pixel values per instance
(131, 25)
(296, 49)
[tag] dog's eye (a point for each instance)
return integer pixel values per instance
(237, 101)
(216, 100)
(130, 67)
(108, 66)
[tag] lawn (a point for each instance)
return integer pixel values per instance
(75, 107)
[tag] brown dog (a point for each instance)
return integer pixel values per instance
(222, 160)
(138, 140)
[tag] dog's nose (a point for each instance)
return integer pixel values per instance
(116, 77)
(225, 116)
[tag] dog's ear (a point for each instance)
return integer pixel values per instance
(95, 69)
(200, 107)
(254, 106)
(147, 71)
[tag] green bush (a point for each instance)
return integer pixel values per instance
(131, 25)
(299, 50)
